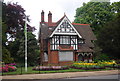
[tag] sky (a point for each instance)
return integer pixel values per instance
(57, 7)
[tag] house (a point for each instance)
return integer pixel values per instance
(63, 42)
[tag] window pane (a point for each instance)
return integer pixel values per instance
(64, 39)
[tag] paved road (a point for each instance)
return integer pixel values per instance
(98, 77)
(89, 78)
(63, 76)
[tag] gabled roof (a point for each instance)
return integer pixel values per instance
(59, 23)
(86, 32)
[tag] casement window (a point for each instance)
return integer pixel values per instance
(65, 56)
(64, 39)
(74, 42)
(56, 41)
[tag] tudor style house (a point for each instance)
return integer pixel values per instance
(63, 42)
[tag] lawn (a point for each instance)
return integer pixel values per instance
(30, 71)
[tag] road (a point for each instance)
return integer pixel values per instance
(112, 75)
(85, 78)
(98, 77)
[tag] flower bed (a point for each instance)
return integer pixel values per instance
(99, 65)
(46, 68)
(87, 67)
(8, 68)
(82, 65)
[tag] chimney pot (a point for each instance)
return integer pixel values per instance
(42, 16)
(49, 18)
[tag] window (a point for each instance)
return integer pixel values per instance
(81, 41)
(65, 56)
(64, 39)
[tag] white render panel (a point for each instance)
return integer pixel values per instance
(65, 56)
(45, 56)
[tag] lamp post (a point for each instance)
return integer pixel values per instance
(25, 31)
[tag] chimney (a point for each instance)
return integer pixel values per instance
(49, 18)
(42, 16)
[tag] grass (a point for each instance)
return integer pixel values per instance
(30, 71)
(21, 71)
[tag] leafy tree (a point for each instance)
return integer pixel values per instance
(13, 47)
(94, 13)
(102, 18)
(14, 19)
(6, 56)
(116, 7)
(14, 16)
(32, 50)
(109, 39)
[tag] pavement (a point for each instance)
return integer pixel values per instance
(113, 76)
(60, 75)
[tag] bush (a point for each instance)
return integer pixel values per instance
(102, 57)
(8, 68)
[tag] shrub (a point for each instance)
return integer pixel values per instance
(102, 57)
(8, 68)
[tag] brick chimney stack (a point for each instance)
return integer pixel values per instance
(42, 16)
(49, 19)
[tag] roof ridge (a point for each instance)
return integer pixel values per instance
(79, 24)
(60, 19)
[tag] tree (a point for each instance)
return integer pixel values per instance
(109, 39)
(94, 13)
(14, 19)
(6, 56)
(32, 50)
(14, 16)
(104, 20)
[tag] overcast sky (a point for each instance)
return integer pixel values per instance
(57, 7)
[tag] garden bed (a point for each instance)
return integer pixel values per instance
(8, 67)
(75, 67)
(87, 68)
(48, 68)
